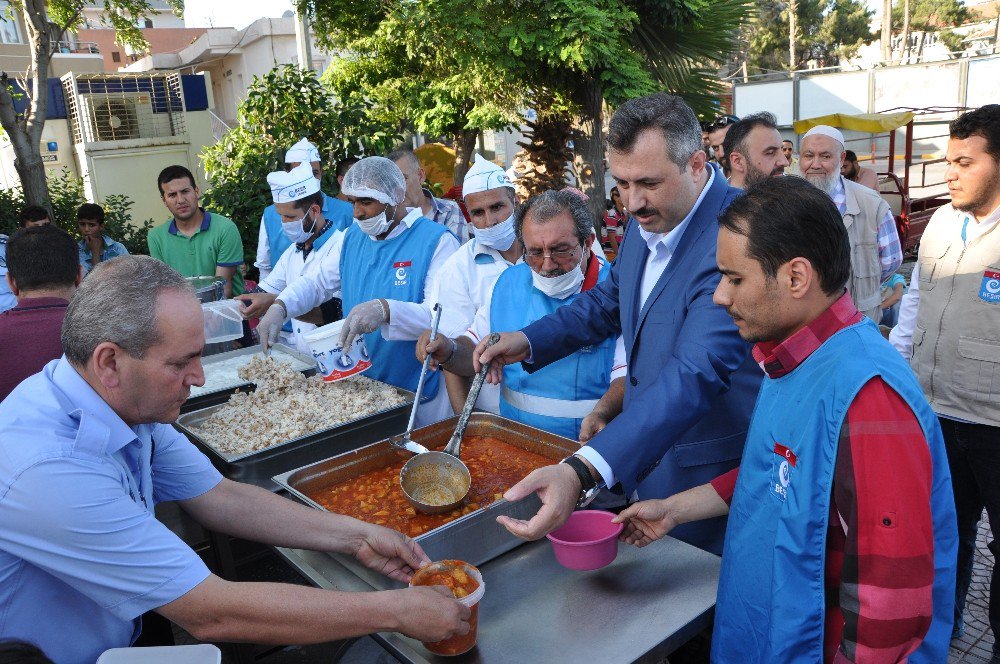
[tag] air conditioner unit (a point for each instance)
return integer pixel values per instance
(118, 116)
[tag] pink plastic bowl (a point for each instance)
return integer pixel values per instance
(588, 540)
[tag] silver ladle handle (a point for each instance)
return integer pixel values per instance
(455, 443)
(423, 372)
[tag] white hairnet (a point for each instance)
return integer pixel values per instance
(376, 178)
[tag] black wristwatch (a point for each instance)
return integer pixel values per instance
(589, 486)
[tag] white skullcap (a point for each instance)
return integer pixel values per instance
(293, 185)
(826, 130)
(302, 152)
(483, 176)
(376, 178)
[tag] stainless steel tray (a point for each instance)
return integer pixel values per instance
(476, 537)
(258, 467)
(222, 394)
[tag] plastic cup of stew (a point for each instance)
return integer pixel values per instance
(466, 584)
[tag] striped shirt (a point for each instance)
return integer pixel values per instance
(878, 580)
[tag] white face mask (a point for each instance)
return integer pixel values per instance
(499, 237)
(295, 230)
(562, 286)
(375, 226)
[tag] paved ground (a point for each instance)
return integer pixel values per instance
(976, 646)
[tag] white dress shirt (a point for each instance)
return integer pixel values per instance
(321, 284)
(661, 249)
(901, 336)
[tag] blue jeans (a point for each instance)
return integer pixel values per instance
(974, 458)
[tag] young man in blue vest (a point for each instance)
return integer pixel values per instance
(557, 231)
(842, 540)
(384, 270)
(271, 241)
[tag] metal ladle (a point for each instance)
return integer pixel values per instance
(438, 482)
(406, 442)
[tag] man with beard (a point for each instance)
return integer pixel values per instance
(949, 327)
(753, 147)
(871, 228)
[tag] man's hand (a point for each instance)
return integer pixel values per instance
(592, 424)
(389, 553)
(441, 349)
(512, 347)
(430, 613)
(363, 318)
(270, 325)
(607, 408)
(649, 520)
(259, 303)
(558, 487)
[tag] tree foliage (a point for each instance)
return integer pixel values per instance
(829, 30)
(281, 107)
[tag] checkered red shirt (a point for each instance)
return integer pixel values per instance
(880, 541)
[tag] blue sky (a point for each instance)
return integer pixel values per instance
(231, 13)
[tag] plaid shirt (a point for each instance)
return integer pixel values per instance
(890, 251)
(878, 581)
(448, 214)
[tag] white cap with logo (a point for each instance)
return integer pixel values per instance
(302, 152)
(292, 185)
(483, 176)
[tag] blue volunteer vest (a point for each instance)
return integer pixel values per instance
(771, 605)
(557, 397)
(393, 269)
(334, 209)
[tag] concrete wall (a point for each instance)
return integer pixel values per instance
(161, 40)
(57, 131)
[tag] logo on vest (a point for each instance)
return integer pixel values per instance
(402, 273)
(782, 463)
(990, 289)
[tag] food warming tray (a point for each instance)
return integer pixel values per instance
(476, 537)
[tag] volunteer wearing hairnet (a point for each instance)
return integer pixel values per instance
(298, 203)
(271, 241)
(384, 270)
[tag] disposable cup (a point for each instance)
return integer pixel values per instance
(333, 362)
(460, 643)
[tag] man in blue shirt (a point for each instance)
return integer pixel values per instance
(86, 453)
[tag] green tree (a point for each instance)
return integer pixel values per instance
(927, 17)
(827, 31)
(23, 106)
(281, 107)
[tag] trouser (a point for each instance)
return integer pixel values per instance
(974, 458)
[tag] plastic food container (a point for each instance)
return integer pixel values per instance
(588, 540)
(466, 583)
(332, 361)
(223, 321)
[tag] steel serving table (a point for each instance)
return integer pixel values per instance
(640, 608)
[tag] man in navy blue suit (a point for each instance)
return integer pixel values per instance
(681, 416)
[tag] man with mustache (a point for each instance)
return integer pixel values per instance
(871, 228)
(753, 146)
(681, 413)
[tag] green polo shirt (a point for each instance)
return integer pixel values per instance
(216, 243)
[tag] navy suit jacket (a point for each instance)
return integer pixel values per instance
(691, 383)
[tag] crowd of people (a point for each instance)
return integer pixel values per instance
(728, 363)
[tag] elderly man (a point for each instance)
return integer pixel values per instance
(871, 228)
(438, 210)
(79, 537)
(829, 556)
(271, 241)
(949, 328)
(195, 242)
(557, 232)
(690, 380)
(298, 202)
(855, 172)
(43, 274)
(753, 148)
(385, 270)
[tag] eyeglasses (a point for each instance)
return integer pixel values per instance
(722, 121)
(537, 255)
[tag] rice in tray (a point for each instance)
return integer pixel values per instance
(225, 374)
(287, 405)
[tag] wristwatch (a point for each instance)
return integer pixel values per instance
(589, 486)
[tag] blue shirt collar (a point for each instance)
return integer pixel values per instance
(85, 248)
(671, 239)
(205, 222)
(89, 404)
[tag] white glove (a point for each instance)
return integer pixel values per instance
(364, 318)
(270, 325)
